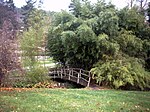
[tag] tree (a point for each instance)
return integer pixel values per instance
(78, 40)
(32, 43)
(34, 38)
(121, 72)
(131, 19)
(128, 42)
(142, 3)
(8, 13)
(26, 11)
(133, 39)
(9, 59)
(131, 3)
(75, 7)
(10, 4)
(110, 42)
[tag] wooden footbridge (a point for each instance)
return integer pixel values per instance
(76, 75)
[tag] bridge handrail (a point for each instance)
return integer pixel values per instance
(72, 72)
(78, 69)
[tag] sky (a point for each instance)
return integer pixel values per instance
(57, 5)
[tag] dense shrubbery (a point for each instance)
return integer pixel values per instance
(37, 74)
(25, 84)
(121, 73)
(91, 31)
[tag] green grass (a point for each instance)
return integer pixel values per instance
(47, 61)
(74, 100)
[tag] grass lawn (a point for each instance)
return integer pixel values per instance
(47, 61)
(73, 100)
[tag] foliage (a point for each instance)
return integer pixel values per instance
(44, 84)
(29, 45)
(107, 22)
(131, 19)
(22, 84)
(32, 44)
(33, 40)
(37, 74)
(9, 57)
(90, 31)
(128, 42)
(80, 48)
(75, 40)
(7, 12)
(26, 10)
(121, 73)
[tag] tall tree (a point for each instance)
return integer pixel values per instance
(10, 4)
(27, 10)
(7, 12)
(32, 40)
(80, 39)
(8, 41)
(75, 7)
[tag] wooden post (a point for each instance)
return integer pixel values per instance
(80, 72)
(78, 77)
(65, 72)
(89, 80)
(57, 72)
(72, 72)
(69, 74)
(61, 73)
(54, 74)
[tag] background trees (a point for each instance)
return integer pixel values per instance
(112, 43)
(77, 38)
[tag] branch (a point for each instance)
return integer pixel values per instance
(144, 4)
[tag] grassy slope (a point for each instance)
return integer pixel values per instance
(63, 100)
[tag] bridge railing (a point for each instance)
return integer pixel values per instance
(77, 75)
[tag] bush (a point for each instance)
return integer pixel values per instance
(23, 84)
(121, 73)
(37, 74)
(45, 84)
